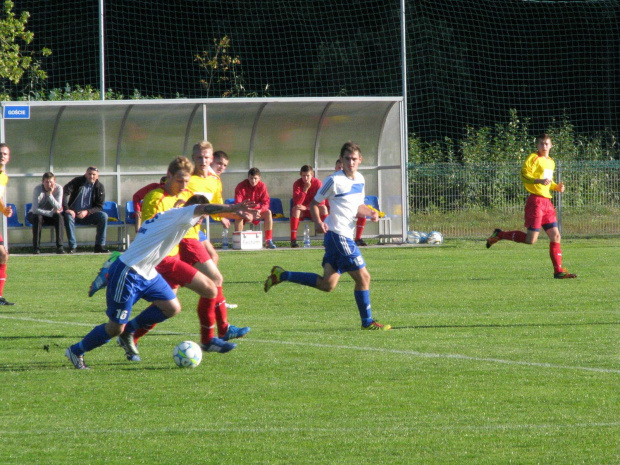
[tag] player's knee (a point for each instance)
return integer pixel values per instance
(208, 290)
(114, 329)
(172, 310)
(326, 287)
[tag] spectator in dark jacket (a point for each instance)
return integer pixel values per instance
(82, 203)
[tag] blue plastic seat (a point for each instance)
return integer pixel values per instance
(372, 200)
(13, 220)
(275, 205)
(111, 208)
(130, 217)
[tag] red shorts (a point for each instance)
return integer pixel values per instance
(193, 251)
(176, 272)
(539, 212)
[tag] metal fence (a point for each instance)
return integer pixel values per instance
(469, 201)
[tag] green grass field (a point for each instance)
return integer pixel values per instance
(491, 361)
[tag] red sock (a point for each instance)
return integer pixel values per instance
(141, 332)
(221, 313)
(555, 252)
(515, 236)
(206, 316)
(268, 235)
(2, 278)
(294, 227)
(361, 222)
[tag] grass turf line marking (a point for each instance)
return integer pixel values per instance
(371, 349)
(381, 430)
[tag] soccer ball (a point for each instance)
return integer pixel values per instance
(413, 237)
(187, 354)
(434, 238)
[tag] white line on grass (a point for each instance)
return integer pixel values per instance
(371, 349)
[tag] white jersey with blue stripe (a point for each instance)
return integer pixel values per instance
(156, 238)
(345, 195)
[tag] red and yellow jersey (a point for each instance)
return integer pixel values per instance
(211, 188)
(4, 179)
(537, 167)
(158, 200)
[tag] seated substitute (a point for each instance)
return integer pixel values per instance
(46, 211)
(82, 202)
(255, 190)
(304, 190)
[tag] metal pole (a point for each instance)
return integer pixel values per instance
(404, 123)
(101, 49)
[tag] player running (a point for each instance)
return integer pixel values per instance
(537, 177)
(133, 275)
(345, 191)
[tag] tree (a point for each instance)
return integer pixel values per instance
(15, 58)
(223, 70)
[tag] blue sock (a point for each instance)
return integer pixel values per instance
(150, 316)
(362, 299)
(96, 338)
(305, 279)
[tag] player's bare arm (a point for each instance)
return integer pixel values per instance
(363, 211)
(245, 209)
(316, 217)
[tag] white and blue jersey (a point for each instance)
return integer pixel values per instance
(157, 237)
(133, 276)
(345, 195)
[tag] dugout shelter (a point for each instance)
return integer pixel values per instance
(133, 141)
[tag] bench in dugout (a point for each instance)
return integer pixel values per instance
(114, 221)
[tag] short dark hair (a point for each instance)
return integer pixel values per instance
(542, 137)
(48, 175)
(92, 168)
(306, 169)
(254, 172)
(221, 155)
(350, 147)
(196, 199)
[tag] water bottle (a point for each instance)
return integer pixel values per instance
(224, 239)
(307, 236)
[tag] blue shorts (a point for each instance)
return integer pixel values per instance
(126, 287)
(342, 253)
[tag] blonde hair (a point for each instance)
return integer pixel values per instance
(179, 164)
(200, 146)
